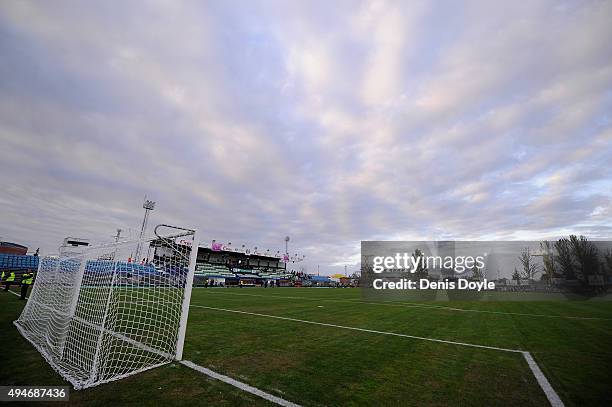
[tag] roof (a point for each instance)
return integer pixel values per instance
(12, 245)
(12, 248)
(237, 253)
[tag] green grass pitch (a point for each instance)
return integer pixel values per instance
(316, 365)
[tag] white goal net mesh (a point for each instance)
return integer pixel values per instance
(102, 315)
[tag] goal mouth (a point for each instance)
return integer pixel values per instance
(102, 315)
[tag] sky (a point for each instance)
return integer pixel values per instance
(329, 122)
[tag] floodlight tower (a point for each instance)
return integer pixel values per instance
(287, 245)
(148, 207)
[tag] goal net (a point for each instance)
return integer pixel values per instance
(113, 310)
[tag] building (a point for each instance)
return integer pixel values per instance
(233, 268)
(12, 248)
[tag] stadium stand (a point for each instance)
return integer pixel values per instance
(18, 262)
(217, 266)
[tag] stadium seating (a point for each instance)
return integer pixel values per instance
(18, 262)
(213, 270)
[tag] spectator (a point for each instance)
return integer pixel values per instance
(10, 279)
(27, 279)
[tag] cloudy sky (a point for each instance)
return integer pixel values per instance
(329, 121)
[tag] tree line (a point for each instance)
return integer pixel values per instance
(569, 258)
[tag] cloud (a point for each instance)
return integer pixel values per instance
(330, 122)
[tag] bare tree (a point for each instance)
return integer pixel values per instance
(530, 268)
(548, 258)
(476, 273)
(516, 276)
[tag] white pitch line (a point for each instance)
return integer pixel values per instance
(17, 294)
(218, 376)
(551, 395)
(549, 391)
(352, 328)
(414, 305)
(242, 386)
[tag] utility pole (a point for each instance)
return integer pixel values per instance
(148, 207)
(113, 256)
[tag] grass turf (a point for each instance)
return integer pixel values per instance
(321, 365)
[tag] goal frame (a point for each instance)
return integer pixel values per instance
(92, 372)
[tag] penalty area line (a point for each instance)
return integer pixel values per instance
(242, 386)
(352, 328)
(549, 392)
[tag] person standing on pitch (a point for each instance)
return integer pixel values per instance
(27, 279)
(10, 279)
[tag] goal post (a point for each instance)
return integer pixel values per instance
(187, 297)
(101, 315)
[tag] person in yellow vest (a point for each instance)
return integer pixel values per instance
(27, 279)
(10, 279)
